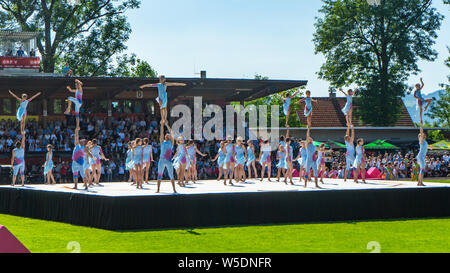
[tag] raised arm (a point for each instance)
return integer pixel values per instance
(35, 96)
(80, 85)
(77, 137)
(421, 81)
(352, 139)
(170, 134)
(161, 133)
(22, 144)
(343, 92)
(14, 95)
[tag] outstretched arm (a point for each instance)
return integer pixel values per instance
(14, 95)
(35, 96)
(343, 92)
(148, 85)
(175, 84)
(421, 81)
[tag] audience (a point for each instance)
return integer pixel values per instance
(113, 140)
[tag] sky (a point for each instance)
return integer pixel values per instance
(241, 38)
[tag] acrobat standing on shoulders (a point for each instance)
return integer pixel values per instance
(287, 99)
(77, 100)
(162, 94)
(308, 107)
(348, 108)
(421, 100)
(22, 111)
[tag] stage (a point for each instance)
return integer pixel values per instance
(118, 206)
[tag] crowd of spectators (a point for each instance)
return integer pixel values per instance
(113, 140)
(20, 53)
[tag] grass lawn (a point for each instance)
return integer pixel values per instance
(428, 235)
(438, 181)
(430, 180)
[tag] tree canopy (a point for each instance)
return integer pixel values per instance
(86, 35)
(377, 48)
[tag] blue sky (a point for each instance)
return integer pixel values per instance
(241, 38)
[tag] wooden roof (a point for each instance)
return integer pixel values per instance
(327, 113)
(126, 88)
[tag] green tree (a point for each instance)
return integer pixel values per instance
(277, 99)
(377, 48)
(131, 66)
(440, 109)
(89, 34)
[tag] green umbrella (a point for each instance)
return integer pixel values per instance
(317, 144)
(441, 145)
(337, 144)
(381, 145)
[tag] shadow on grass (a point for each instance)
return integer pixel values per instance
(190, 230)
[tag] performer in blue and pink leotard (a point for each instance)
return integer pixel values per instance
(289, 161)
(308, 107)
(421, 157)
(77, 100)
(220, 158)
(192, 151)
(281, 165)
(48, 166)
(311, 159)
(181, 159)
(348, 108)
(22, 110)
(18, 161)
(129, 162)
(78, 161)
(241, 158)
(165, 157)
(421, 100)
(97, 154)
(321, 161)
(360, 162)
(147, 158)
(230, 161)
(287, 98)
(265, 159)
(162, 95)
(138, 162)
(251, 159)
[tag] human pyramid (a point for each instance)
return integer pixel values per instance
(231, 157)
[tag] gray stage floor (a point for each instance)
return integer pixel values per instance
(216, 187)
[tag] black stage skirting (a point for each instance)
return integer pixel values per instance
(186, 211)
